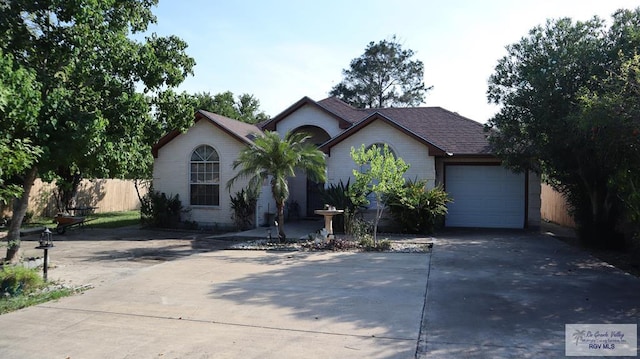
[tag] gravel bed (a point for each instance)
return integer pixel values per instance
(263, 244)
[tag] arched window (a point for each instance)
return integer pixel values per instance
(380, 147)
(205, 177)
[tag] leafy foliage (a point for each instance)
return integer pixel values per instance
(569, 110)
(381, 173)
(16, 280)
(92, 120)
(158, 210)
(17, 302)
(245, 108)
(380, 246)
(337, 195)
(243, 205)
(418, 209)
(384, 76)
(19, 106)
(275, 159)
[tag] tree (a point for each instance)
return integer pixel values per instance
(275, 159)
(245, 108)
(381, 173)
(569, 113)
(92, 120)
(384, 76)
(19, 106)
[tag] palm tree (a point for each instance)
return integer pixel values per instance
(274, 158)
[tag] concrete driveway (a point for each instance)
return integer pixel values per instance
(489, 294)
(509, 294)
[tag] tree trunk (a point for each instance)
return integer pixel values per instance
(19, 210)
(282, 237)
(136, 185)
(597, 224)
(67, 188)
(376, 221)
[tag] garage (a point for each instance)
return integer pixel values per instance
(485, 196)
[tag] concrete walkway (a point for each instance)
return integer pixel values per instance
(479, 294)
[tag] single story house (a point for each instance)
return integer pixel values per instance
(440, 146)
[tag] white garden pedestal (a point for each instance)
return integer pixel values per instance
(328, 218)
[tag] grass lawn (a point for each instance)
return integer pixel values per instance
(95, 220)
(13, 303)
(114, 219)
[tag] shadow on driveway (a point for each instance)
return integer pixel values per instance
(510, 294)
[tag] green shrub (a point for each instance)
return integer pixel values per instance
(28, 217)
(243, 205)
(416, 209)
(337, 195)
(158, 210)
(361, 230)
(16, 280)
(368, 244)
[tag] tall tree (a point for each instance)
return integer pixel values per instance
(381, 173)
(384, 76)
(88, 67)
(276, 159)
(19, 107)
(567, 112)
(245, 108)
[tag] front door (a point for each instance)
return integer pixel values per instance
(314, 197)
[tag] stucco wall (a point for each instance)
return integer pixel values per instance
(171, 171)
(340, 166)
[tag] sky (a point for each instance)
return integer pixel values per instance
(282, 50)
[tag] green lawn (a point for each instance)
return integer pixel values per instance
(114, 219)
(95, 220)
(13, 303)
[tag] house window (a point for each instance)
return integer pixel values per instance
(380, 147)
(205, 177)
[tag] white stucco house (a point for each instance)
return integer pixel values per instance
(440, 146)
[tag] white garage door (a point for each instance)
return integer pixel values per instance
(485, 196)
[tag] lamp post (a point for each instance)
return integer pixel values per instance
(45, 243)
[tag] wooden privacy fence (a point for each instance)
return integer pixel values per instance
(554, 207)
(108, 195)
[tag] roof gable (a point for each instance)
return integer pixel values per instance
(271, 124)
(434, 150)
(445, 131)
(455, 134)
(241, 131)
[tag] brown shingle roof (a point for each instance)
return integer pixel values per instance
(455, 134)
(434, 150)
(271, 124)
(343, 109)
(243, 132)
(444, 130)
